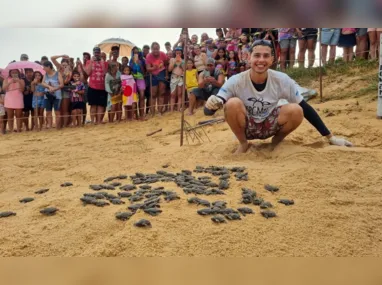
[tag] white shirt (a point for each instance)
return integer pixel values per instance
(260, 104)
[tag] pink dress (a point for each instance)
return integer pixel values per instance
(14, 98)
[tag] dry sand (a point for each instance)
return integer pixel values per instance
(337, 191)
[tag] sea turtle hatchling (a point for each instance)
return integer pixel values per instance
(88, 200)
(111, 178)
(124, 194)
(223, 185)
(7, 214)
(95, 187)
(143, 224)
(122, 176)
(171, 197)
(219, 204)
(146, 187)
(266, 205)
(107, 187)
(26, 200)
(136, 198)
(41, 191)
(116, 184)
(124, 216)
(204, 203)
(153, 211)
(238, 169)
(245, 210)
(225, 177)
(257, 201)
(232, 216)
(98, 195)
(101, 203)
(193, 200)
(271, 188)
(66, 184)
(116, 201)
(135, 207)
(206, 211)
(218, 219)
(128, 187)
(49, 211)
(268, 214)
(286, 202)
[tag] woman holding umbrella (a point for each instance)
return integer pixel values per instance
(14, 99)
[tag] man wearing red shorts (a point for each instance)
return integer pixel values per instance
(252, 98)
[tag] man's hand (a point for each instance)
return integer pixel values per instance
(339, 141)
(214, 103)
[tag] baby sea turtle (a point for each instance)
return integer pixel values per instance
(95, 187)
(124, 194)
(241, 176)
(136, 198)
(135, 207)
(219, 204)
(226, 211)
(258, 201)
(204, 203)
(268, 214)
(110, 196)
(214, 192)
(286, 202)
(41, 191)
(7, 214)
(238, 169)
(116, 184)
(218, 219)
(26, 200)
(146, 187)
(101, 203)
(212, 184)
(271, 188)
(171, 197)
(245, 210)
(49, 211)
(224, 177)
(232, 216)
(193, 200)
(66, 184)
(206, 211)
(153, 211)
(88, 200)
(248, 191)
(124, 216)
(122, 176)
(223, 185)
(143, 224)
(140, 175)
(265, 205)
(107, 187)
(110, 179)
(128, 187)
(116, 201)
(165, 165)
(95, 195)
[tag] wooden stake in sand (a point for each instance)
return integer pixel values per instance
(320, 66)
(154, 132)
(152, 107)
(183, 90)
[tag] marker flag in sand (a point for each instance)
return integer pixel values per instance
(129, 88)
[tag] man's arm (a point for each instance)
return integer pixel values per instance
(201, 82)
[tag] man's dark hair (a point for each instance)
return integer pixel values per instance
(146, 46)
(262, 43)
(48, 64)
(155, 43)
(167, 44)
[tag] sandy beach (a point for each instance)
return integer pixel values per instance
(337, 191)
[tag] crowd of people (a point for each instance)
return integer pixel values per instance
(120, 87)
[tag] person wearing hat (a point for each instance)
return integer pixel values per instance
(96, 69)
(252, 106)
(24, 57)
(209, 81)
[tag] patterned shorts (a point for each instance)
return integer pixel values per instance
(266, 129)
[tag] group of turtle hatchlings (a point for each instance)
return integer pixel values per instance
(143, 196)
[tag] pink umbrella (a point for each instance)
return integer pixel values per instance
(21, 65)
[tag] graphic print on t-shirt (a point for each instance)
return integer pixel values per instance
(259, 108)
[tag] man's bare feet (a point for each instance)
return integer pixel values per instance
(243, 147)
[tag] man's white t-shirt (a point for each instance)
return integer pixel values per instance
(259, 105)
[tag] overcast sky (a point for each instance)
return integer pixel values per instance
(37, 42)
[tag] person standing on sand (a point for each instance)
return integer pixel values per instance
(251, 102)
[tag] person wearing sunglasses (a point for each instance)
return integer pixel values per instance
(252, 108)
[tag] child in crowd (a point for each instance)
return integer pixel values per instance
(233, 63)
(242, 67)
(38, 99)
(2, 112)
(129, 94)
(113, 88)
(176, 67)
(77, 100)
(191, 77)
